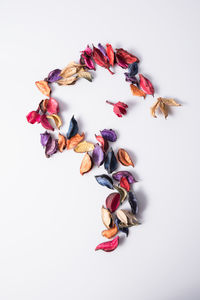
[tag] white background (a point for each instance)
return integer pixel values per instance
(49, 214)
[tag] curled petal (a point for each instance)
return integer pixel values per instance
(126, 56)
(125, 184)
(52, 106)
(73, 128)
(45, 123)
(110, 54)
(103, 142)
(98, 155)
(44, 138)
(131, 79)
(108, 246)
(109, 135)
(133, 69)
(56, 119)
(54, 76)
(84, 147)
(124, 158)
(110, 163)
(110, 233)
(33, 117)
(61, 142)
(74, 141)
(119, 108)
(86, 164)
(113, 202)
(43, 86)
(136, 91)
(146, 85)
(118, 175)
(105, 180)
(51, 147)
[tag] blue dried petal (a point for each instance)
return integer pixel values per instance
(124, 229)
(133, 69)
(98, 155)
(110, 163)
(54, 75)
(105, 180)
(73, 128)
(109, 135)
(44, 137)
(133, 202)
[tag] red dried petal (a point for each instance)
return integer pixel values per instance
(108, 246)
(125, 184)
(45, 123)
(127, 57)
(146, 85)
(120, 108)
(33, 117)
(100, 59)
(110, 54)
(52, 106)
(103, 142)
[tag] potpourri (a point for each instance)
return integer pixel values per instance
(100, 154)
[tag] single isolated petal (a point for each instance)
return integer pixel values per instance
(120, 108)
(108, 246)
(110, 233)
(124, 158)
(33, 117)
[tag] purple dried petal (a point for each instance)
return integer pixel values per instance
(103, 50)
(118, 175)
(98, 155)
(44, 137)
(109, 135)
(51, 147)
(131, 79)
(54, 75)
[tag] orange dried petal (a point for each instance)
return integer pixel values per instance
(124, 158)
(44, 88)
(109, 233)
(137, 92)
(86, 164)
(61, 142)
(74, 141)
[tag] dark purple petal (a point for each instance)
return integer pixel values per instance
(98, 155)
(51, 147)
(131, 79)
(109, 135)
(44, 137)
(54, 75)
(118, 175)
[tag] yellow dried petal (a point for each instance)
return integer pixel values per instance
(84, 147)
(56, 119)
(169, 101)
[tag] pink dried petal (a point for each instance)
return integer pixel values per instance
(45, 123)
(33, 117)
(52, 106)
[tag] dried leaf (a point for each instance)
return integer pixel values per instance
(68, 80)
(162, 104)
(84, 147)
(86, 164)
(163, 108)
(110, 233)
(56, 119)
(122, 216)
(61, 142)
(44, 88)
(127, 218)
(124, 158)
(106, 217)
(169, 101)
(74, 141)
(136, 91)
(110, 163)
(105, 180)
(133, 69)
(133, 202)
(154, 107)
(84, 74)
(33, 117)
(146, 85)
(113, 202)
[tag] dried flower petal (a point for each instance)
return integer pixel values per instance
(125, 184)
(136, 91)
(84, 147)
(127, 218)
(154, 107)
(51, 147)
(105, 180)
(98, 155)
(100, 59)
(45, 123)
(56, 119)
(73, 128)
(162, 104)
(110, 233)
(54, 75)
(61, 142)
(122, 229)
(103, 142)
(44, 138)
(108, 246)
(33, 117)
(146, 85)
(43, 105)
(67, 81)
(109, 135)
(124, 158)
(133, 202)
(131, 79)
(133, 69)
(110, 54)
(83, 74)
(118, 175)
(86, 164)
(42, 85)
(119, 108)
(169, 101)
(113, 202)
(103, 50)
(122, 191)
(75, 140)
(110, 163)
(120, 61)
(126, 56)
(52, 106)
(71, 69)
(106, 217)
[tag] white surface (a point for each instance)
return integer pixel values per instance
(49, 215)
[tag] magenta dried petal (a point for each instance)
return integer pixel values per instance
(52, 106)
(45, 123)
(44, 138)
(98, 155)
(118, 175)
(88, 62)
(51, 147)
(109, 135)
(33, 117)
(88, 51)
